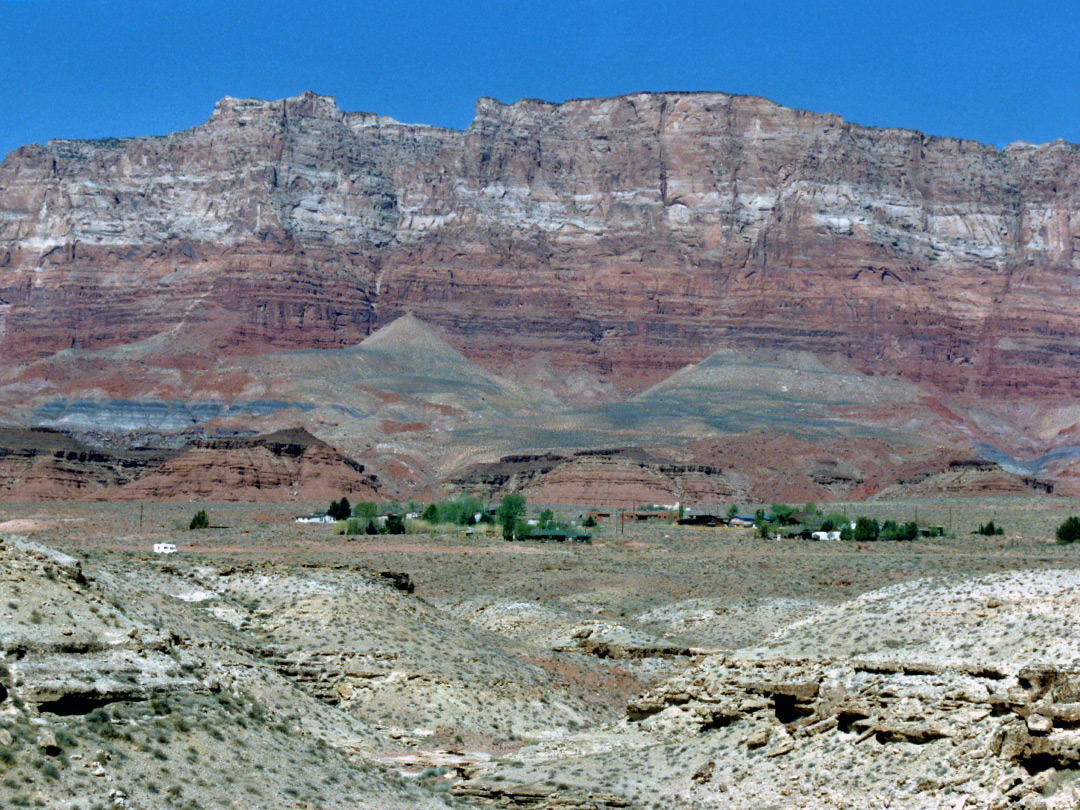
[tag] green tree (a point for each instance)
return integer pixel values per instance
(781, 513)
(509, 514)
(866, 528)
(732, 511)
(395, 524)
(365, 510)
(834, 521)
(460, 511)
(989, 529)
(891, 530)
(547, 517)
(199, 521)
(339, 510)
(1069, 531)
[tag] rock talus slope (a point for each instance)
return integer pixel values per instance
(598, 244)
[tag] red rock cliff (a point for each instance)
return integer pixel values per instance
(599, 242)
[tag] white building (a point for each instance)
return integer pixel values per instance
(315, 519)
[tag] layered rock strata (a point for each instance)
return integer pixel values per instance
(594, 244)
(281, 466)
(612, 478)
(756, 468)
(47, 465)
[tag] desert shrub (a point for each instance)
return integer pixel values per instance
(989, 529)
(199, 521)
(50, 771)
(98, 717)
(1069, 531)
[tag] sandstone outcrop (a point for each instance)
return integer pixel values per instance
(47, 465)
(754, 467)
(598, 244)
(283, 466)
(622, 477)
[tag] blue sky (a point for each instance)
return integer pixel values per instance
(992, 71)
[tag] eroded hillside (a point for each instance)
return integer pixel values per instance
(273, 665)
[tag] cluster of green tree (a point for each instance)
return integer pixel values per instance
(339, 510)
(511, 516)
(367, 510)
(868, 528)
(199, 521)
(1069, 531)
(989, 529)
(395, 524)
(461, 511)
(360, 519)
(780, 516)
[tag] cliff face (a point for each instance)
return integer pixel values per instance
(602, 243)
